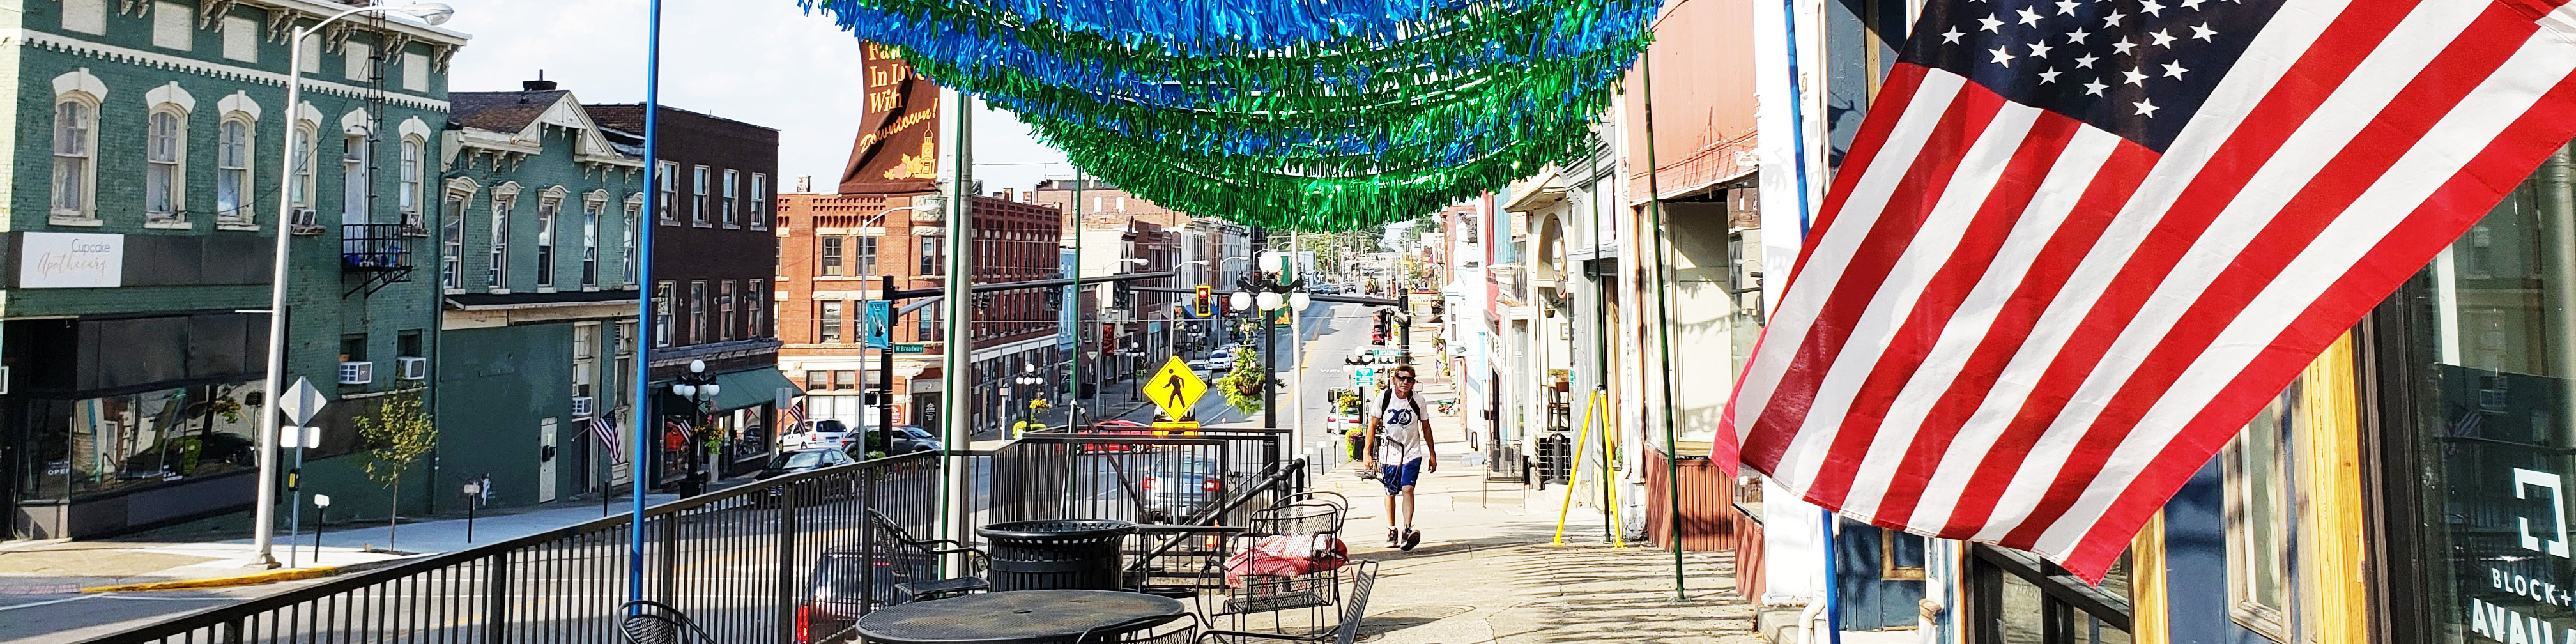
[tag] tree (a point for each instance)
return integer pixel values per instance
(398, 435)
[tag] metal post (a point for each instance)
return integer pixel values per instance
(958, 346)
(1080, 403)
(264, 509)
(787, 578)
(1663, 326)
(1297, 343)
(885, 364)
(638, 474)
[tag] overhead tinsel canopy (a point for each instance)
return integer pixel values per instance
(1300, 114)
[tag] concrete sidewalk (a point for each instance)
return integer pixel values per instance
(65, 567)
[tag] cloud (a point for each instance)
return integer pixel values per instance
(757, 61)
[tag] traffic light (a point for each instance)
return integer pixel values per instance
(1119, 296)
(1206, 301)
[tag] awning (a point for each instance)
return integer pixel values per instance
(751, 388)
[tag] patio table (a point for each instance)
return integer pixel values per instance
(1018, 617)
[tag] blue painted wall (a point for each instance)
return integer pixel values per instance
(2196, 563)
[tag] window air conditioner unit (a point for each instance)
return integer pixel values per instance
(581, 406)
(357, 373)
(301, 221)
(413, 368)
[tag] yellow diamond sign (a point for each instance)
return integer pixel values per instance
(1175, 388)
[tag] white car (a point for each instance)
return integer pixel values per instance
(1221, 362)
(823, 433)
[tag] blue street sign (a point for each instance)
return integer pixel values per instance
(878, 326)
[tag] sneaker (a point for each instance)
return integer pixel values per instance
(1392, 540)
(1411, 538)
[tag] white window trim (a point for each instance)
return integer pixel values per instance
(462, 190)
(411, 158)
(668, 194)
(629, 264)
(497, 272)
(729, 209)
(760, 214)
(248, 218)
(78, 86)
(552, 197)
(594, 220)
(699, 176)
(178, 215)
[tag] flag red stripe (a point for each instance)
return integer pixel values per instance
(2397, 128)
(1881, 119)
(2460, 202)
(2112, 186)
(1870, 263)
(2271, 122)
(1950, 284)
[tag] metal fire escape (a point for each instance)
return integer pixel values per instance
(377, 253)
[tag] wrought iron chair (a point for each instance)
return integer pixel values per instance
(651, 622)
(917, 559)
(1131, 633)
(1345, 630)
(1309, 515)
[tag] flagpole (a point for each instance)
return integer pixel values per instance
(1663, 326)
(1798, 139)
(644, 290)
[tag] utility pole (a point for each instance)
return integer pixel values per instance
(1081, 407)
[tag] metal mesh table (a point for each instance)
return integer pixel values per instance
(1018, 617)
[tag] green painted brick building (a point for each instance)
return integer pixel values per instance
(145, 140)
(537, 275)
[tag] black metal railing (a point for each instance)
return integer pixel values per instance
(374, 247)
(743, 563)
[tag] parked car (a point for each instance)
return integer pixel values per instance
(838, 588)
(803, 460)
(907, 439)
(1199, 364)
(1177, 489)
(1221, 362)
(1325, 289)
(818, 434)
(1115, 428)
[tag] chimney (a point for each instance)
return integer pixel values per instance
(1010, 194)
(538, 85)
(804, 183)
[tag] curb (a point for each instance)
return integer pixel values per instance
(273, 576)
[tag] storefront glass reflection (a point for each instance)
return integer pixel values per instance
(131, 441)
(2487, 363)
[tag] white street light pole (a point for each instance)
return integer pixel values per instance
(265, 512)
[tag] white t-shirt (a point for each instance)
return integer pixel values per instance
(1399, 433)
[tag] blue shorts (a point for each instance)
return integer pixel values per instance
(1398, 477)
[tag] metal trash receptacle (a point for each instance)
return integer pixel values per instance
(1057, 554)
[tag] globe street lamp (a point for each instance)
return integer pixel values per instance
(699, 388)
(1029, 381)
(265, 530)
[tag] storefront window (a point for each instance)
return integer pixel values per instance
(132, 441)
(2479, 419)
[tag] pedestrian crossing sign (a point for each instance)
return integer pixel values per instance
(1176, 388)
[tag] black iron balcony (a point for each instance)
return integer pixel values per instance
(380, 251)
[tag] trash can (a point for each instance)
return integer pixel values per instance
(1055, 554)
(1555, 459)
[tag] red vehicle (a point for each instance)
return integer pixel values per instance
(1117, 428)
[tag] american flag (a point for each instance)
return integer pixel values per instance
(796, 416)
(605, 431)
(2078, 244)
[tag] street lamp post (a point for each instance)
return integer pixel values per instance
(1029, 381)
(265, 512)
(699, 388)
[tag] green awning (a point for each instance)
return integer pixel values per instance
(751, 388)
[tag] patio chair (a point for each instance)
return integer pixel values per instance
(651, 622)
(918, 559)
(1303, 513)
(1345, 630)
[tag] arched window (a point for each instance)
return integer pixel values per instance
(305, 134)
(409, 192)
(75, 139)
(165, 154)
(232, 171)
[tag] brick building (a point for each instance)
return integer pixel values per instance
(833, 250)
(712, 253)
(148, 142)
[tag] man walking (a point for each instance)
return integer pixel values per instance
(1399, 447)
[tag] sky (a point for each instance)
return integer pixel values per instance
(759, 61)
